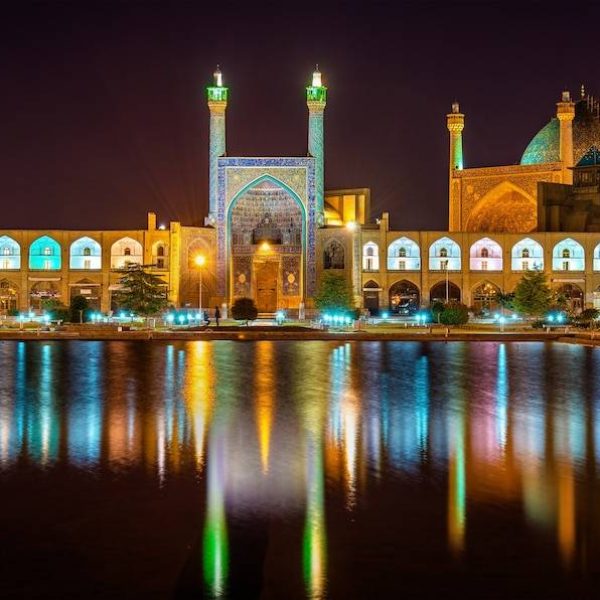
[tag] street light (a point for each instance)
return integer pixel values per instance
(200, 261)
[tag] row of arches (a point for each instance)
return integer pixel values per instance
(485, 254)
(85, 253)
(404, 297)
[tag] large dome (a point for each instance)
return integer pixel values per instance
(544, 147)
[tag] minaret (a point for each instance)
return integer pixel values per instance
(316, 99)
(455, 122)
(565, 112)
(217, 96)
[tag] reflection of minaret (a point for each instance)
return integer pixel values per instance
(315, 539)
(457, 486)
(215, 554)
(265, 385)
(316, 99)
(455, 122)
(217, 96)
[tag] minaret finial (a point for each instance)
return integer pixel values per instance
(218, 77)
(455, 107)
(582, 91)
(316, 78)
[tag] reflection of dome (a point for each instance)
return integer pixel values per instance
(544, 147)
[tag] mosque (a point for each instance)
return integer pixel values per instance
(272, 230)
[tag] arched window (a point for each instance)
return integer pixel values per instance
(485, 255)
(527, 255)
(444, 254)
(333, 255)
(85, 253)
(404, 254)
(370, 260)
(10, 252)
(160, 251)
(568, 255)
(44, 254)
(126, 251)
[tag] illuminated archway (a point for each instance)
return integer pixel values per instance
(126, 251)
(10, 254)
(485, 255)
(527, 255)
(444, 254)
(506, 208)
(9, 296)
(45, 254)
(405, 297)
(404, 254)
(485, 297)
(441, 293)
(568, 255)
(370, 261)
(85, 254)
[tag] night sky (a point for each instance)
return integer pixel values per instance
(104, 112)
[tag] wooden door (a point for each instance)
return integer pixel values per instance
(266, 286)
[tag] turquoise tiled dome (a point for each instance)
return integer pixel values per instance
(544, 147)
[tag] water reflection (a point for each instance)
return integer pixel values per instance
(315, 436)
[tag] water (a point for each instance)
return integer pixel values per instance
(299, 470)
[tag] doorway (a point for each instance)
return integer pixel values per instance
(266, 286)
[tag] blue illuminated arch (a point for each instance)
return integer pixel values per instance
(10, 254)
(85, 253)
(45, 254)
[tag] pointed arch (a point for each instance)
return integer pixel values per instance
(568, 255)
(527, 255)
(485, 255)
(45, 254)
(405, 297)
(126, 251)
(404, 254)
(85, 254)
(444, 254)
(10, 254)
(334, 254)
(506, 208)
(370, 257)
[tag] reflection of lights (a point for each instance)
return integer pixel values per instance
(457, 487)
(264, 399)
(501, 397)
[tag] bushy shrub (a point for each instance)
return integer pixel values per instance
(244, 309)
(454, 313)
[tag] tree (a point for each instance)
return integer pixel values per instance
(244, 309)
(56, 310)
(505, 300)
(532, 294)
(78, 309)
(141, 292)
(437, 308)
(335, 293)
(454, 313)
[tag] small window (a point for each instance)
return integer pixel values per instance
(484, 265)
(444, 252)
(370, 251)
(369, 263)
(47, 265)
(525, 265)
(525, 253)
(485, 253)
(87, 251)
(566, 253)
(6, 251)
(160, 251)
(160, 263)
(87, 263)
(565, 265)
(402, 265)
(444, 265)
(127, 252)
(402, 252)
(47, 251)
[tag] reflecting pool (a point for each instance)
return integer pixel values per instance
(312, 470)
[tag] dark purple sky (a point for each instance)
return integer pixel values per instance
(104, 115)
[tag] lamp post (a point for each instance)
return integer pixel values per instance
(200, 260)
